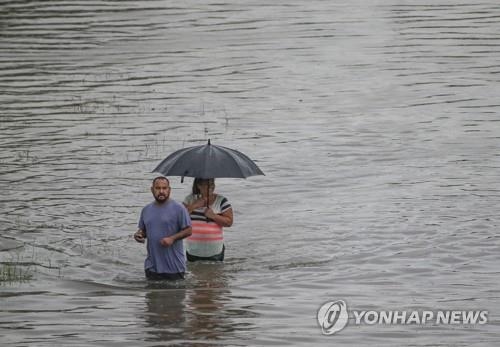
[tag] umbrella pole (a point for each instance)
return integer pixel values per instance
(208, 200)
(208, 195)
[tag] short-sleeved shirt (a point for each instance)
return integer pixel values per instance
(159, 221)
(207, 238)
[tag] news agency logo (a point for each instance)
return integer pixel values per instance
(333, 316)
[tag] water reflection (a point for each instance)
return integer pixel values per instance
(165, 313)
(195, 309)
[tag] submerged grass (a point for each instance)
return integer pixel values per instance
(11, 272)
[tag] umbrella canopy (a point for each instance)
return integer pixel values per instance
(208, 161)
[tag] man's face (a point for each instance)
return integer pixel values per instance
(161, 190)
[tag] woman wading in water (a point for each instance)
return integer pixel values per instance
(209, 213)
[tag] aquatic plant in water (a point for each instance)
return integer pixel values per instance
(12, 272)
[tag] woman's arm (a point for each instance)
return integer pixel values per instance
(225, 219)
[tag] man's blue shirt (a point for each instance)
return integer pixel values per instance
(159, 221)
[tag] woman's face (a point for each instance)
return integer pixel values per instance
(204, 185)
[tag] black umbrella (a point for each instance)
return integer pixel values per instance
(208, 161)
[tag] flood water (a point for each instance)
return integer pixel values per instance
(377, 126)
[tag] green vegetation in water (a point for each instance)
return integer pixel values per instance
(13, 273)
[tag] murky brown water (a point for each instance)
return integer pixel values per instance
(377, 125)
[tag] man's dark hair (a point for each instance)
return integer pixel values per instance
(160, 178)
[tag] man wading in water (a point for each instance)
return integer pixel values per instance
(164, 223)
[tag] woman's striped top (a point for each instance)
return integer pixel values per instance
(207, 238)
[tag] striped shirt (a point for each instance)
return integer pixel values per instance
(207, 238)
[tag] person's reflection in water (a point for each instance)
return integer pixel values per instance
(192, 310)
(165, 314)
(208, 317)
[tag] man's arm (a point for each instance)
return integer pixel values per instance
(169, 240)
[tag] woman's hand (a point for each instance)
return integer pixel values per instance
(195, 205)
(199, 203)
(224, 219)
(209, 213)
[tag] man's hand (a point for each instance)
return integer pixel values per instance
(140, 236)
(170, 240)
(167, 241)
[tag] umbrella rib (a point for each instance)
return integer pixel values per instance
(206, 160)
(237, 164)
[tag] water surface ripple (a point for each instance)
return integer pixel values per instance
(376, 123)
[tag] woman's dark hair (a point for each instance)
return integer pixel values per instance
(197, 181)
